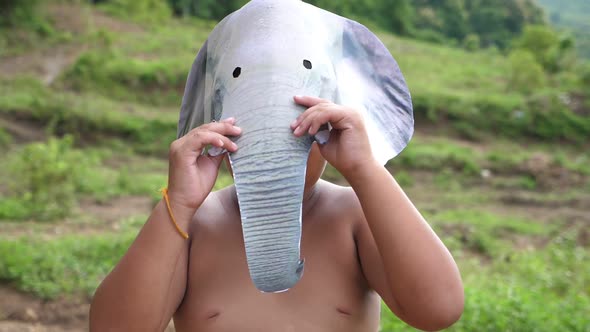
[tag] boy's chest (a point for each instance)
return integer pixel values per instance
(332, 284)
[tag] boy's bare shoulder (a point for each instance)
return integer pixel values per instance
(218, 208)
(340, 198)
(336, 191)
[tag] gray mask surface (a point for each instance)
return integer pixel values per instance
(250, 67)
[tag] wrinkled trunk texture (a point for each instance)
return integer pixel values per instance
(269, 173)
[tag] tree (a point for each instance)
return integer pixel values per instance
(398, 15)
(208, 9)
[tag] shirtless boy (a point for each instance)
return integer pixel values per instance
(361, 244)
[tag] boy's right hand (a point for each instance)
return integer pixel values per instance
(192, 173)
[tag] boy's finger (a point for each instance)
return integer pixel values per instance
(306, 123)
(229, 120)
(199, 140)
(313, 109)
(309, 101)
(332, 116)
(314, 118)
(223, 128)
(319, 120)
(299, 125)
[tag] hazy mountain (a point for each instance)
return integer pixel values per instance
(573, 15)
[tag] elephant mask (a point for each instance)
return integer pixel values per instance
(253, 63)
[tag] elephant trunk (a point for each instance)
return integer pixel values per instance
(269, 173)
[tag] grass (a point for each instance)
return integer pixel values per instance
(499, 296)
(89, 116)
(67, 265)
(487, 234)
(47, 180)
(436, 156)
(156, 82)
(5, 139)
(528, 292)
(501, 157)
(471, 92)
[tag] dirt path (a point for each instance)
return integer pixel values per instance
(48, 62)
(23, 313)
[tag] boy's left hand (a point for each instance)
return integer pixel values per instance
(348, 148)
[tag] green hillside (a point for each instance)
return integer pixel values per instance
(574, 16)
(89, 100)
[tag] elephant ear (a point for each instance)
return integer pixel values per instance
(369, 79)
(192, 111)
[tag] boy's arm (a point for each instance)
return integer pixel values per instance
(148, 284)
(402, 257)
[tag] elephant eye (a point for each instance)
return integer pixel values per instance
(237, 72)
(307, 64)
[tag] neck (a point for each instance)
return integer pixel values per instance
(310, 197)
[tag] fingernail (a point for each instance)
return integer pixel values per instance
(294, 123)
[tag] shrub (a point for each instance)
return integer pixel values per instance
(523, 292)
(12, 208)
(66, 265)
(24, 14)
(14, 11)
(526, 75)
(438, 156)
(46, 177)
(550, 118)
(5, 138)
(541, 42)
(585, 77)
(471, 42)
(156, 82)
(88, 116)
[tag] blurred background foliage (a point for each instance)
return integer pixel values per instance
(499, 165)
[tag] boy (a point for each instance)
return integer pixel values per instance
(360, 243)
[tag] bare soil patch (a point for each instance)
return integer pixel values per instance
(79, 19)
(113, 211)
(91, 218)
(23, 312)
(22, 130)
(46, 64)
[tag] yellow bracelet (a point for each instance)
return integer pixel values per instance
(167, 200)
